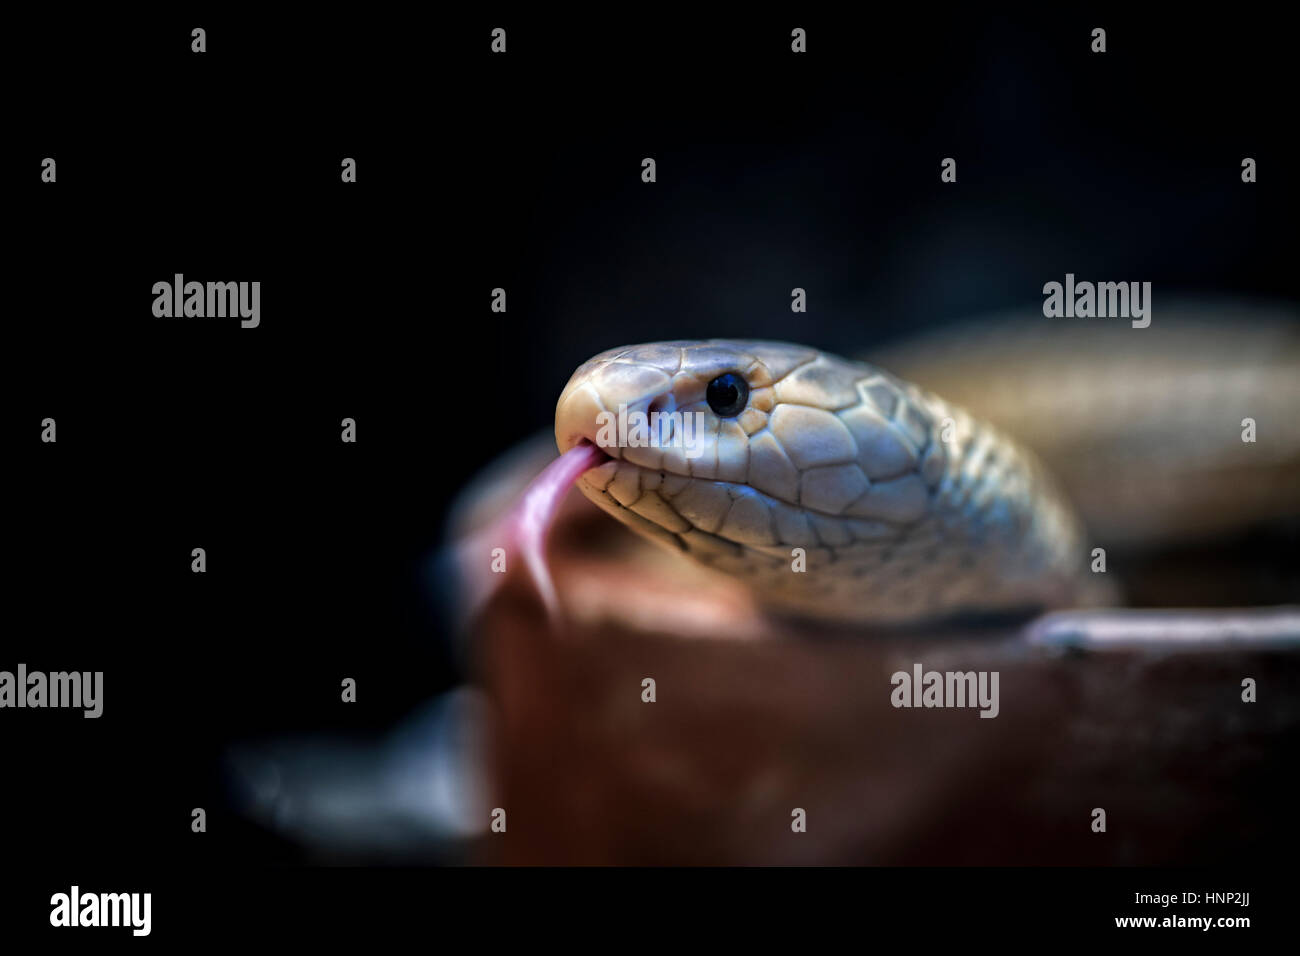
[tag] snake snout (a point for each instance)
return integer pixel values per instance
(613, 405)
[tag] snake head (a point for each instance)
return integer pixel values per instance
(726, 388)
(740, 451)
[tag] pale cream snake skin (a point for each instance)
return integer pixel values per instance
(1051, 438)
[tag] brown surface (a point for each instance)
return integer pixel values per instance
(755, 718)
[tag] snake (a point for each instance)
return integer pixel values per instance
(1105, 516)
(981, 469)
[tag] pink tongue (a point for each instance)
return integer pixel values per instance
(528, 521)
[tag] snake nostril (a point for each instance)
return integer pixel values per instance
(660, 418)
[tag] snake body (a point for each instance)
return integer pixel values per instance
(842, 490)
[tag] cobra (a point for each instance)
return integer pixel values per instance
(981, 470)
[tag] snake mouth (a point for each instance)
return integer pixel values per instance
(597, 455)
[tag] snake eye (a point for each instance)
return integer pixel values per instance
(727, 395)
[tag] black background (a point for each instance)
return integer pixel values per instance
(477, 171)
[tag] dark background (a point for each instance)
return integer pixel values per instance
(475, 171)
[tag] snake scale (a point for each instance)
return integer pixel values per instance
(841, 489)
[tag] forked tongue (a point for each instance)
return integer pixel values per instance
(527, 522)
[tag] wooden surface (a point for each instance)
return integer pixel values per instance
(754, 718)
